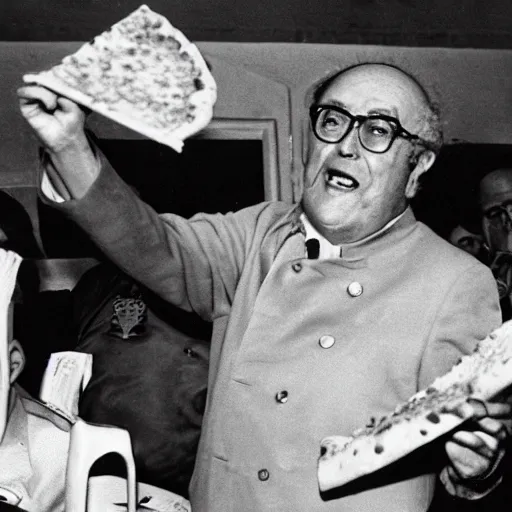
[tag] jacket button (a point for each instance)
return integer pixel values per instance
(355, 289)
(327, 341)
(263, 475)
(282, 397)
(297, 267)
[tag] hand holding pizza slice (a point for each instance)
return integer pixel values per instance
(452, 399)
(142, 73)
(474, 452)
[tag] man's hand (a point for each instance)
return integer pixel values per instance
(59, 125)
(474, 453)
(57, 121)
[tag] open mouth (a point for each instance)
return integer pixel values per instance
(340, 180)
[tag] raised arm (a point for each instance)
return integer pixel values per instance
(193, 264)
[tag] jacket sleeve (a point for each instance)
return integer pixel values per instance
(194, 264)
(468, 314)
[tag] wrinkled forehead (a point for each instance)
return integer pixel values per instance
(496, 188)
(376, 88)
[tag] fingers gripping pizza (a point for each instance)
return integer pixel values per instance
(142, 73)
(427, 415)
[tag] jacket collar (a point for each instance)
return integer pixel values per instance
(395, 229)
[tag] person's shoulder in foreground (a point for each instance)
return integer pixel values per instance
(34, 449)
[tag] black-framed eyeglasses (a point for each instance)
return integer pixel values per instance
(501, 213)
(376, 132)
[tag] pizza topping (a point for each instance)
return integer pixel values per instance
(141, 68)
(430, 403)
(433, 417)
(430, 413)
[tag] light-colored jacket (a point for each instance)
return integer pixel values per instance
(423, 304)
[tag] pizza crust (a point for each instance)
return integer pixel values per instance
(346, 460)
(480, 376)
(131, 112)
(48, 80)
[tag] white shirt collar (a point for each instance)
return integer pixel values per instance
(330, 251)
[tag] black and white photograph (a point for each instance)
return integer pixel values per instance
(256, 256)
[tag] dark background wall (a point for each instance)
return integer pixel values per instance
(448, 23)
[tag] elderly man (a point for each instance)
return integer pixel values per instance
(304, 347)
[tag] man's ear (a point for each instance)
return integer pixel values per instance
(424, 162)
(17, 360)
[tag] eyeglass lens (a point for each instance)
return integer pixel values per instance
(375, 134)
(500, 214)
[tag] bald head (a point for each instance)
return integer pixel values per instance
(495, 188)
(495, 198)
(426, 117)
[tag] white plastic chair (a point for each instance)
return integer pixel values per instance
(88, 443)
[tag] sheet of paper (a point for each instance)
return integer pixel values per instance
(65, 377)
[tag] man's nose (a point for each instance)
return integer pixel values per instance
(348, 146)
(507, 217)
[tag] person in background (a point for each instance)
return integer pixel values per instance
(325, 313)
(34, 449)
(41, 315)
(495, 204)
(149, 375)
(17, 234)
(495, 201)
(472, 243)
(161, 359)
(16, 230)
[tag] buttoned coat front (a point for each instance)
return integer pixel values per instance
(301, 349)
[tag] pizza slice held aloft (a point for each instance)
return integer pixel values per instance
(427, 415)
(142, 73)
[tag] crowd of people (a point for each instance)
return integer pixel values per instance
(490, 239)
(261, 331)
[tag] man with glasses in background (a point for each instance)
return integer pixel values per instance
(495, 198)
(325, 313)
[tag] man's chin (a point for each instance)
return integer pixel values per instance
(335, 228)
